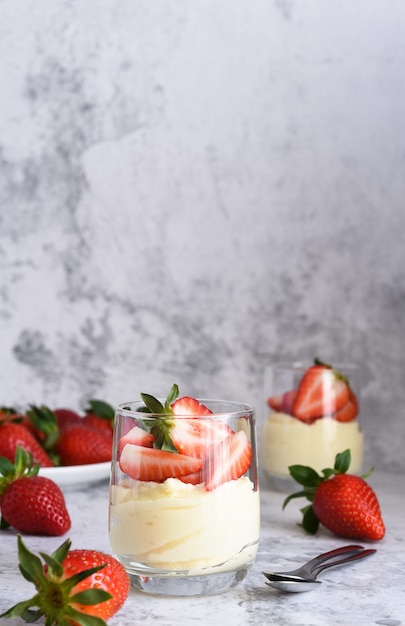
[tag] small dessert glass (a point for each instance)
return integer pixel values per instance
(192, 534)
(286, 440)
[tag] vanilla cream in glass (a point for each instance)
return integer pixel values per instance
(287, 440)
(185, 522)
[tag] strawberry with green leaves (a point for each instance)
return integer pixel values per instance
(13, 433)
(343, 503)
(71, 441)
(30, 503)
(73, 587)
(100, 414)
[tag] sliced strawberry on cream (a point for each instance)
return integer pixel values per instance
(349, 411)
(275, 403)
(137, 436)
(189, 406)
(229, 460)
(283, 403)
(195, 437)
(322, 391)
(150, 464)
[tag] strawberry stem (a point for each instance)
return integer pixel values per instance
(23, 466)
(160, 425)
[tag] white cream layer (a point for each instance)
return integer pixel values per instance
(288, 441)
(177, 526)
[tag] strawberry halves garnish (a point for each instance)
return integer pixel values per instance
(183, 439)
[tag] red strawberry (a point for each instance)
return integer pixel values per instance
(66, 417)
(288, 401)
(349, 411)
(13, 435)
(138, 437)
(229, 460)
(81, 445)
(100, 414)
(188, 407)
(195, 437)
(275, 403)
(190, 444)
(77, 587)
(112, 579)
(192, 479)
(150, 464)
(283, 403)
(31, 503)
(343, 503)
(9, 414)
(322, 391)
(348, 506)
(187, 434)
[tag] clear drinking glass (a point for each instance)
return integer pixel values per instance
(287, 440)
(185, 534)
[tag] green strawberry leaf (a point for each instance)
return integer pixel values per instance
(328, 472)
(54, 567)
(310, 522)
(45, 421)
(161, 431)
(162, 424)
(292, 496)
(4, 523)
(81, 618)
(342, 462)
(101, 409)
(172, 396)
(75, 579)
(23, 466)
(62, 551)
(91, 596)
(22, 609)
(153, 404)
(305, 475)
(6, 466)
(30, 565)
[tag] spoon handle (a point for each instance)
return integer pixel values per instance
(353, 557)
(326, 556)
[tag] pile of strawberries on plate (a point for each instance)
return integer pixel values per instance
(41, 437)
(59, 436)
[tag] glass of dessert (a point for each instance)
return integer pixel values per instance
(313, 414)
(184, 512)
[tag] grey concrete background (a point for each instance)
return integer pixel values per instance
(190, 191)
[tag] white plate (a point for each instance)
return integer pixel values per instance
(74, 476)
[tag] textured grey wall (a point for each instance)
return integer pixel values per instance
(192, 190)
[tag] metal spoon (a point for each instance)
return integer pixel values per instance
(304, 578)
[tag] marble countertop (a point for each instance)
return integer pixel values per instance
(354, 594)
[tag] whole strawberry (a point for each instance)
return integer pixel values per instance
(73, 587)
(14, 434)
(83, 445)
(343, 503)
(30, 503)
(100, 414)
